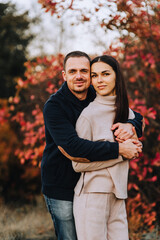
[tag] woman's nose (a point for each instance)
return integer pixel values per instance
(99, 79)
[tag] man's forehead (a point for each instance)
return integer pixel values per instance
(77, 62)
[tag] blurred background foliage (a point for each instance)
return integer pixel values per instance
(25, 85)
(14, 38)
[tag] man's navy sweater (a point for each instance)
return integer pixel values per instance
(61, 112)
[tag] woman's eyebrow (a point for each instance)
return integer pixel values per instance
(94, 72)
(101, 72)
(105, 71)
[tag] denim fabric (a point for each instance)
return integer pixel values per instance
(62, 216)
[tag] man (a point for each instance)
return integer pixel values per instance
(60, 114)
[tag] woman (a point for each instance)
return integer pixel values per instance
(99, 201)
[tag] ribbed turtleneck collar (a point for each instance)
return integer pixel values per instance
(108, 100)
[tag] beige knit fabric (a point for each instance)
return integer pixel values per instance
(95, 124)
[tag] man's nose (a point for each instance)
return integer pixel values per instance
(78, 75)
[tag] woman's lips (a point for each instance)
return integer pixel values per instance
(101, 87)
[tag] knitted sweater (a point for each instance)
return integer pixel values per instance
(95, 124)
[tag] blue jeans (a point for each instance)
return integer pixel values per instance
(62, 216)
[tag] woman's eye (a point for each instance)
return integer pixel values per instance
(106, 74)
(93, 76)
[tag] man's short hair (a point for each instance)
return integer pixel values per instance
(75, 54)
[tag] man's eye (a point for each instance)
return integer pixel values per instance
(84, 71)
(93, 76)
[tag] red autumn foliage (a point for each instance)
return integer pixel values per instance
(42, 78)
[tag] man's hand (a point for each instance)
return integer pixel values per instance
(123, 131)
(130, 148)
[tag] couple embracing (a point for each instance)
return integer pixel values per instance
(91, 134)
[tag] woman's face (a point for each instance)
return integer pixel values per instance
(103, 79)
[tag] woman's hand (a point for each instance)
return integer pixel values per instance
(123, 131)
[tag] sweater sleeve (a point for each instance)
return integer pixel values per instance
(62, 131)
(84, 130)
(131, 114)
(94, 166)
(137, 123)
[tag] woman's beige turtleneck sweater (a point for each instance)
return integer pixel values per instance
(109, 176)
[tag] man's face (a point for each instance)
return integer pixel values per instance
(77, 75)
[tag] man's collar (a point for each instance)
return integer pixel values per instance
(90, 95)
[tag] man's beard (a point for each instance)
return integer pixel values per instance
(79, 92)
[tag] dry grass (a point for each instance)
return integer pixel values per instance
(33, 222)
(26, 223)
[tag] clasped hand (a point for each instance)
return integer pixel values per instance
(125, 133)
